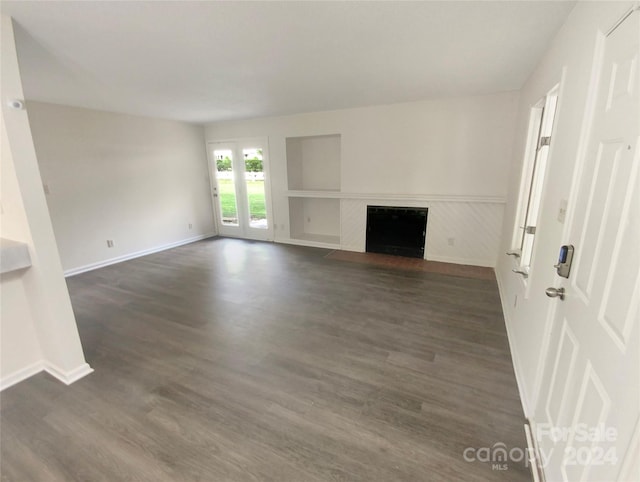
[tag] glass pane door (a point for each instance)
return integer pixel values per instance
(241, 189)
(226, 191)
(254, 182)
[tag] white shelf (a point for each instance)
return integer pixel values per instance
(319, 238)
(328, 194)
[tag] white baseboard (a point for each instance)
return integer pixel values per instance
(67, 377)
(137, 254)
(515, 359)
(471, 262)
(304, 242)
(22, 374)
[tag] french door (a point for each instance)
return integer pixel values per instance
(241, 189)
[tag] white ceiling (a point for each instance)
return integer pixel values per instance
(210, 61)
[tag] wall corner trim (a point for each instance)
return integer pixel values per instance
(68, 377)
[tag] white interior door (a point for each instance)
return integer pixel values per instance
(587, 413)
(241, 188)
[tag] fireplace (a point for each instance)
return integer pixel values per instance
(396, 230)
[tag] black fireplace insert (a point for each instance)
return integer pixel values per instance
(396, 230)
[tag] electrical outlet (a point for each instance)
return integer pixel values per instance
(109, 243)
(515, 301)
(309, 220)
(451, 241)
(190, 226)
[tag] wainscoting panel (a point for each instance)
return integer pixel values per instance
(353, 224)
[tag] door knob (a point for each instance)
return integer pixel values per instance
(555, 293)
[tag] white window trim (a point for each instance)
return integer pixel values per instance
(531, 195)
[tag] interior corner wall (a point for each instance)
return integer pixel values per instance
(528, 312)
(135, 180)
(38, 327)
(457, 147)
(20, 352)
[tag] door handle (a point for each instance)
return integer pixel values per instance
(555, 292)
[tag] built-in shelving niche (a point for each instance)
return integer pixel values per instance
(313, 173)
(315, 219)
(313, 163)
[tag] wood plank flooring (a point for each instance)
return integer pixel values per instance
(229, 360)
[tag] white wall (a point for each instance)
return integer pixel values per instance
(137, 181)
(528, 311)
(19, 344)
(38, 329)
(447, 148)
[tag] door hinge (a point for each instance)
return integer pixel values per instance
(522, 270)
(528, 230)
(544, 141)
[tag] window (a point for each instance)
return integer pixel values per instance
(533, 175)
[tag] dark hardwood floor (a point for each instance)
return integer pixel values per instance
(229, 360)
